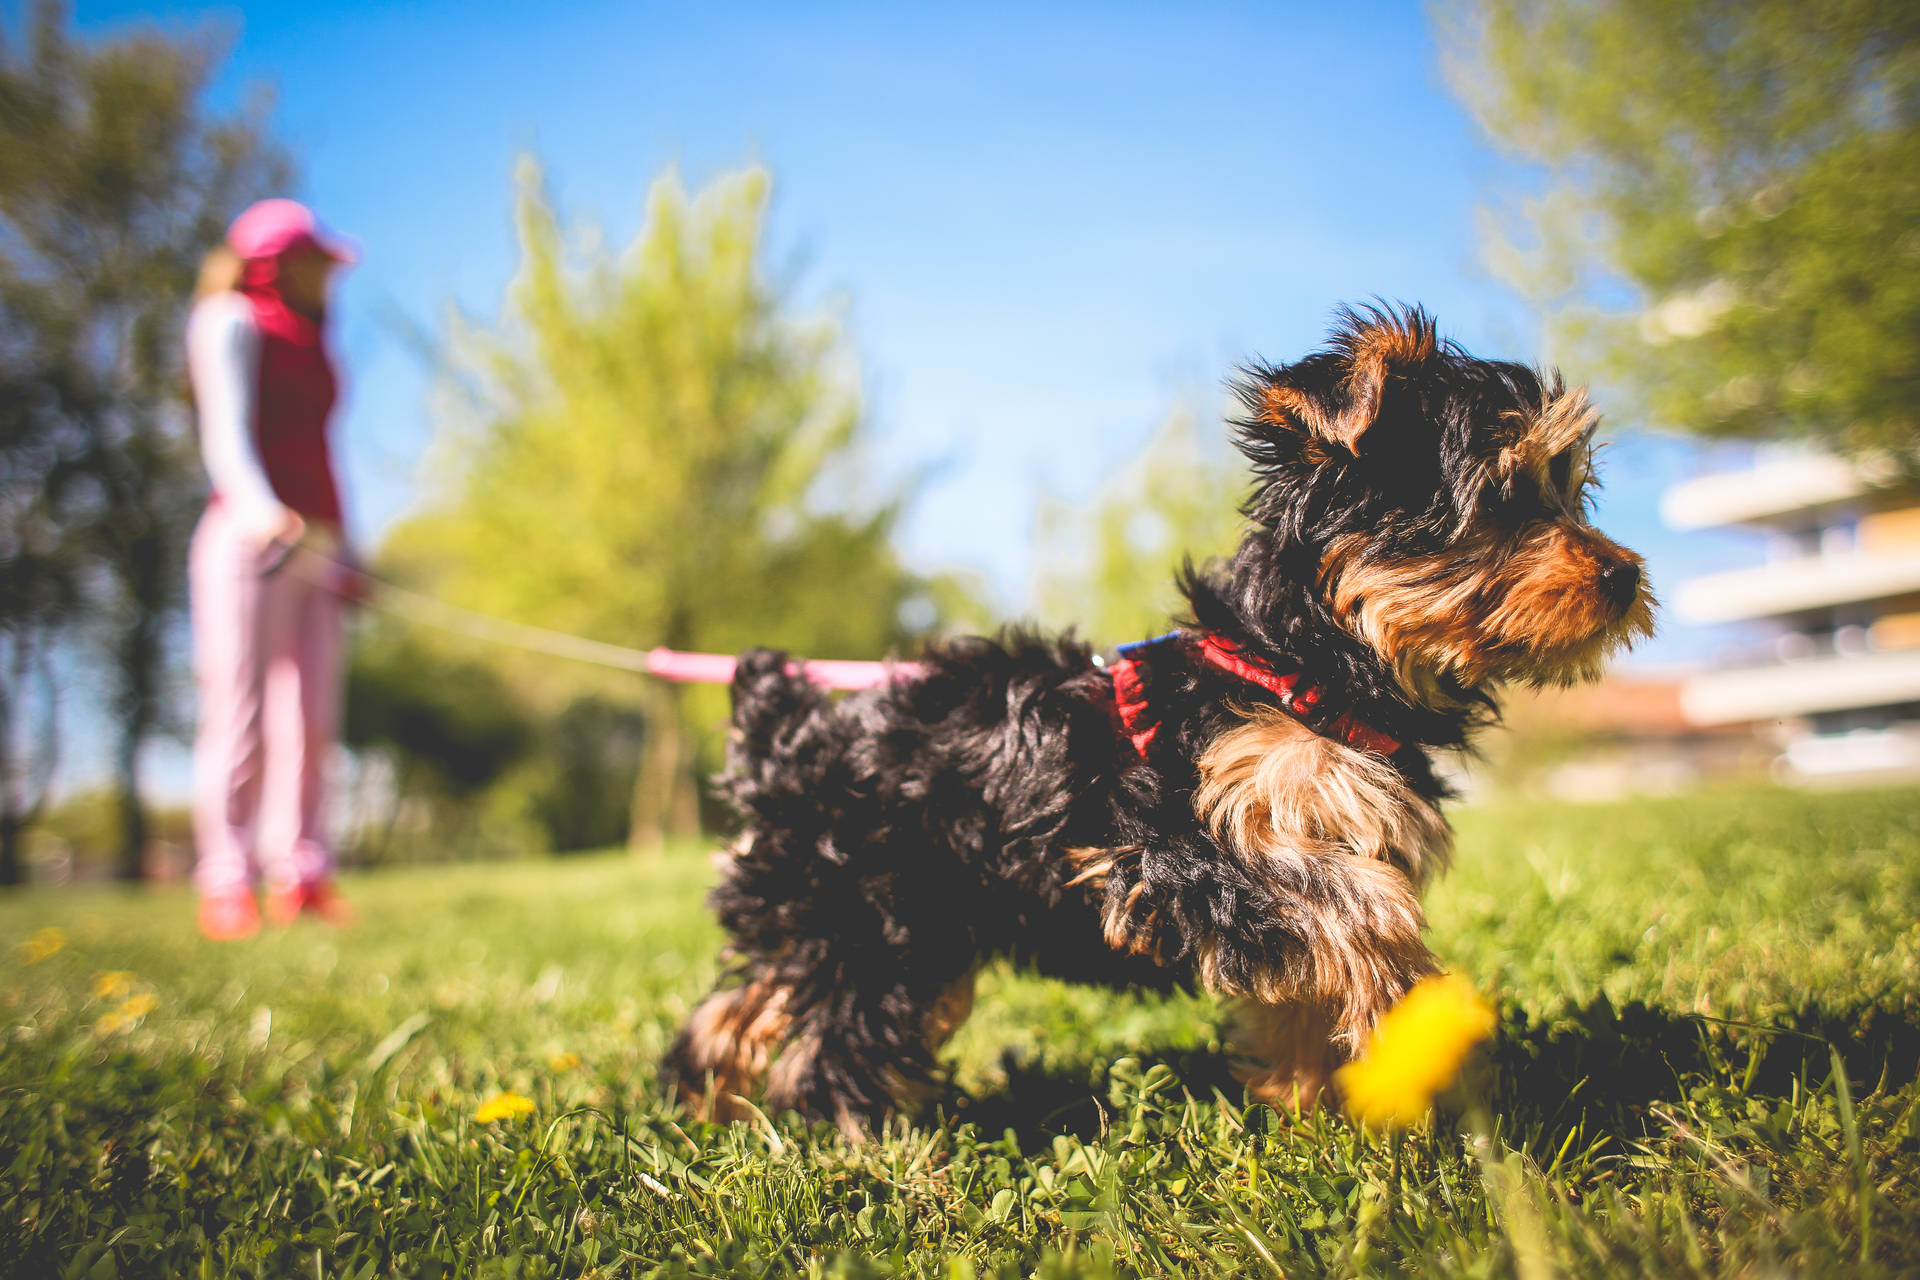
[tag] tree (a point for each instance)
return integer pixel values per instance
(1749, 171)
(1107, 566)
(589, 756)
(447, 726)
(29, 744)
(114, 178)
(649, 449)
(39, 582)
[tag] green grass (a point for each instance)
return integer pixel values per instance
(1705, 1066)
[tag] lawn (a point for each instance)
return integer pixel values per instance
(1705, 1066)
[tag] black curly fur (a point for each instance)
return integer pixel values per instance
(896, 837)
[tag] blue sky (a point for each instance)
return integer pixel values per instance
(1045, 223)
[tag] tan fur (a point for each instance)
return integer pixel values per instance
(784, 1078)
(735, 1035)
(788, 1073)
(1361, 929)
(1531, 609)
(1379, 349)
(1283, 1053)
(1346, 840)
(1122, 925)
(1125, 929)
(1093, 864)
(951, 1007)
(1273, 782)
(1290, 407)
(1567, 420)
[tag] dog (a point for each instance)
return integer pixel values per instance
(1248, 805)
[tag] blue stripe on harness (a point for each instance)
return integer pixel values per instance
(1128, 650)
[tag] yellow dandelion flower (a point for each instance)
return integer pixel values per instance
(41, 944)
(563, 1062)
(111, 984)
(1415, 1052)
(503, 1106)
(131, 1010)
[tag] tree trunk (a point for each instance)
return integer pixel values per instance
(11, 695)
(139, 661)
(666, 800)
(26, 768)
(402, 786)
(133, 818)
(683, 810)
(10, 832)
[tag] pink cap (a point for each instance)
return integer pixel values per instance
(273, 227)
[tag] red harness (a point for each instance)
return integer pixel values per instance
(1129, 689)
(1296, 697)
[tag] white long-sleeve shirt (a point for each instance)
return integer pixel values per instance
(223, 361)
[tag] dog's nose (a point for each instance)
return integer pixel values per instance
(1620, 580)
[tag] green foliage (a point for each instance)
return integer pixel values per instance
(1107, 566)
(446, 728)
(114, 179)
(453, 720)
(650, 449)
(589, 755)
(1671, 974)
(84, 826)
(1750, 171)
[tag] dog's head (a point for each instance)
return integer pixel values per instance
(1441, 503)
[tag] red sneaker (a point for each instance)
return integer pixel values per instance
(228, 917)
(318, 899)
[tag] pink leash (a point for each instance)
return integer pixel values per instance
(668, 664)
(717, 668)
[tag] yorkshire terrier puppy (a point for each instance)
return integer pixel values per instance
(1247, 804)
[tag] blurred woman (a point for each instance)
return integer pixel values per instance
(265, 571)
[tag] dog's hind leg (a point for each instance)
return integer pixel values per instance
(730, 1040)
(1284, 1054)
(844, 1038)
(866, 1050)
(851, 917)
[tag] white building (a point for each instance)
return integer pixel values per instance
(1838, 598)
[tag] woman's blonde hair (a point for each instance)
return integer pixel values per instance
(219, 272)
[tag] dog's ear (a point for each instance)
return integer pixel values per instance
(1335, 396)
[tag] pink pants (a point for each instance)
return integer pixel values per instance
(266, 658)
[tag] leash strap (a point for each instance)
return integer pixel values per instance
(834, 673)
(1129, 687)
(667, 664)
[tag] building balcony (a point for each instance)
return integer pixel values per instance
(1893, 752)
(1789, 587)
(1783, 488)
(1782, 690)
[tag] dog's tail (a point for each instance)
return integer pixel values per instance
(775, 710)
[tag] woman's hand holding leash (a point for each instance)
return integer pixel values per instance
(279, 539)
(350, 580)
(345, 577)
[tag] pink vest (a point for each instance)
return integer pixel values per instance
(296, 395)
